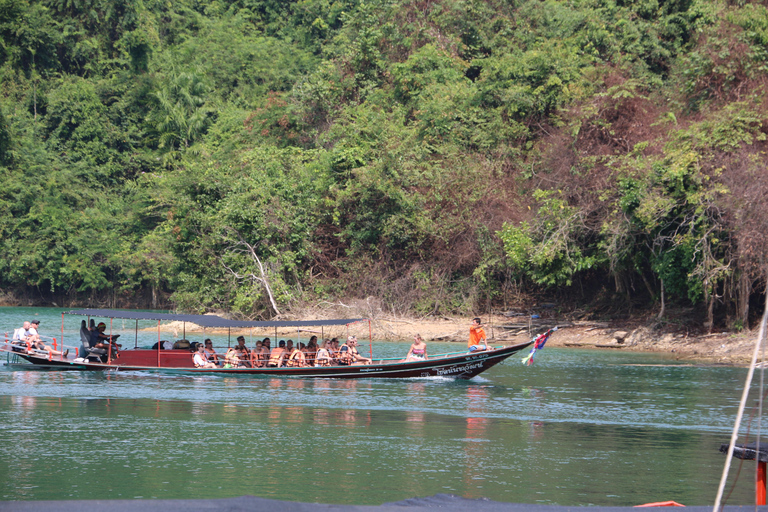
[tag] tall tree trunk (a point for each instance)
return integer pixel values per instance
(663, 306)
(744, 291)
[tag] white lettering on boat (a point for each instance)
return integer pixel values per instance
(459, 369)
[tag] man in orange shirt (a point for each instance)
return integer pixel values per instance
(476, 337)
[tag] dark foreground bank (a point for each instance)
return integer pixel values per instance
(444, 502)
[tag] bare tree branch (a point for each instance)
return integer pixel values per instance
(245, 248)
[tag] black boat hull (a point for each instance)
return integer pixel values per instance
(463, 366)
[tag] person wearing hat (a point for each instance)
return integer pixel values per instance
(348, 354)
(101, 340)
(38, 344)
(32, 334)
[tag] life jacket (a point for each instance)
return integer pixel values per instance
(231, 357)
(296, 359)
(198, 356)
(323, 357)
(275, 356)
(345, 355)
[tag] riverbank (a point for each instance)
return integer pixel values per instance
(722, 348)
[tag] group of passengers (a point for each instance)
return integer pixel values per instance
(285, 354)
(28, 337)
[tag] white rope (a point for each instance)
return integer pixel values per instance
(742, 404)
(759, 417)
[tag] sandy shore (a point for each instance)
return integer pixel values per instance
(723, 348)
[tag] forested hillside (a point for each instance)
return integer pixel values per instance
(440, 156)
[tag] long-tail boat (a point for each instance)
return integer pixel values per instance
(457, 365)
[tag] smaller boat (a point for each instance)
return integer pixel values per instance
(457, 365)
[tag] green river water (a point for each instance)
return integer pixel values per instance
(579, 427)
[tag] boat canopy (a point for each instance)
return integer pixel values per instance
(206, 320)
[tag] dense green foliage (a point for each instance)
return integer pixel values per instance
(435, 155)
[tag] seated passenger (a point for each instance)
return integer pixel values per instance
(297, 359)
(276, 355)
(265, 350)
(256, 361)
(310, 352)
(36, 343)
(243, 354)
(348, 354)
(323, 356)
(22, 333)
(101, 340)
(333, 349)
(418, 350)
(230, 358)
(242, 349)
(210, 353)
(19, 341)
(200, 360)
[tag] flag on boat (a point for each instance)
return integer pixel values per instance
(538, 344)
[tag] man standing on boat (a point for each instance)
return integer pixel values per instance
(477, 339)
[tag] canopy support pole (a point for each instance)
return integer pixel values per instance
(109, 350)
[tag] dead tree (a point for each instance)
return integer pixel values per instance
(243, 247)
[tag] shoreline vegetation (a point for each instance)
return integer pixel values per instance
(443, 157)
